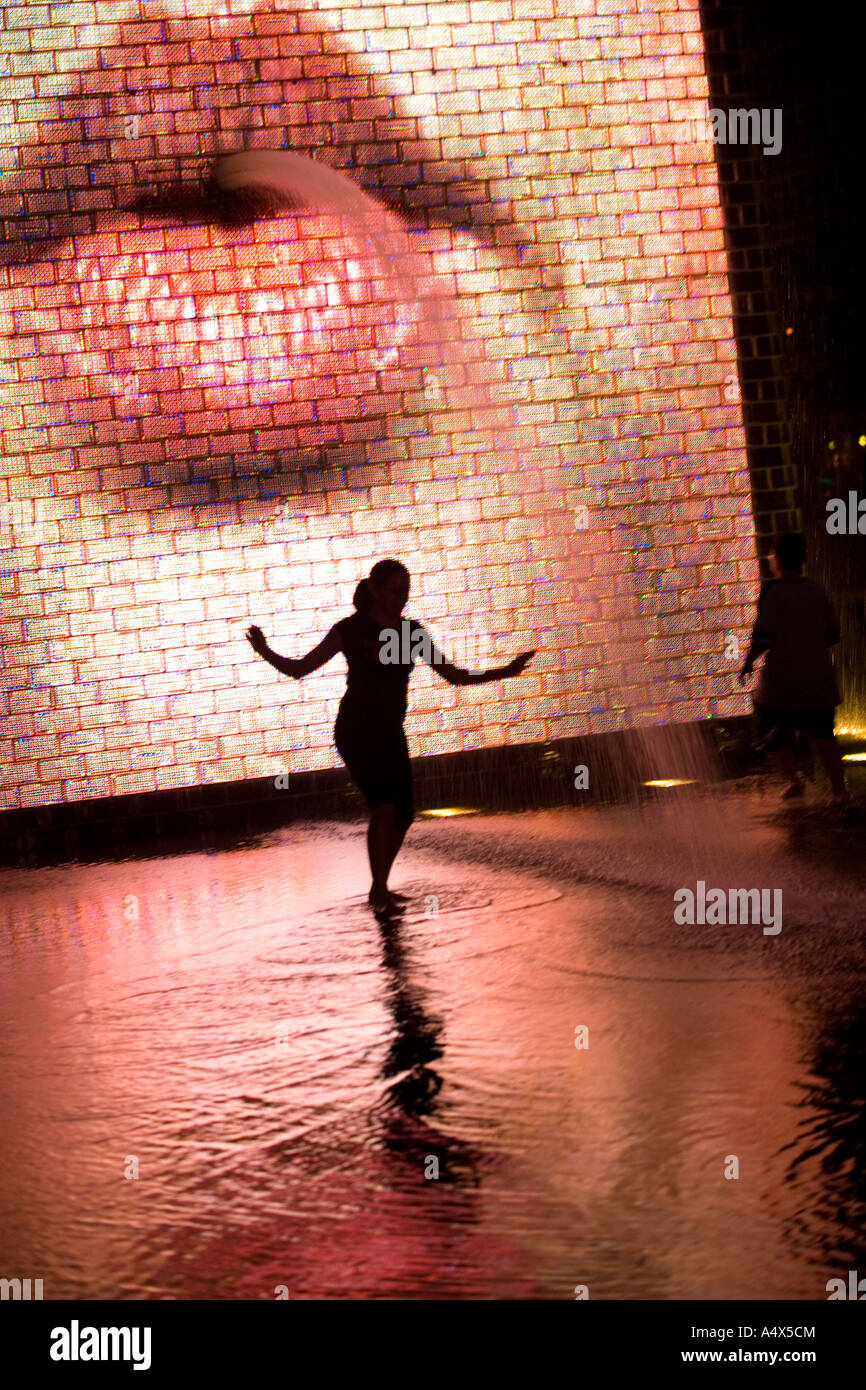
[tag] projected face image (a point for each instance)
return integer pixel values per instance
(247, 345)
(402, 326)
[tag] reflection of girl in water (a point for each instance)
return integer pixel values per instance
(369, 729)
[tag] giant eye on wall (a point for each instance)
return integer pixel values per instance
(280, 328)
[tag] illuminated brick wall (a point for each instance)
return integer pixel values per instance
(533, 402)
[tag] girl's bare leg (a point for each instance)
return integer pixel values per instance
(831, 756)
(385, 835)
(398, 835)
(788, 760)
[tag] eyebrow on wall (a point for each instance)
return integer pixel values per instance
(188, 204)
(32, 237)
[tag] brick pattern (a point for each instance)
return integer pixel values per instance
(529, 394)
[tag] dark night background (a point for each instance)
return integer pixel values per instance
(805, 206)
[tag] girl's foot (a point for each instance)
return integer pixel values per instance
(383, 902)
(762, 744)
(398, 897)
(795, 788)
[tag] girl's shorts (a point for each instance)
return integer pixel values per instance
(816, 722)
(377, 756)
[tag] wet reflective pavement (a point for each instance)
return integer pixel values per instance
(318, 1104)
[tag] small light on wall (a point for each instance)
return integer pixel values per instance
(451, 811)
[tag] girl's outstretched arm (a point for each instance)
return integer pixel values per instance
(456, 675)
(328, 647)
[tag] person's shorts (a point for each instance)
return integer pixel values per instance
(377, 757)
(817, 722)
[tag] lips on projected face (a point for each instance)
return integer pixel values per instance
(206, 324)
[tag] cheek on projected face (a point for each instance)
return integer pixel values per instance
(186, 321)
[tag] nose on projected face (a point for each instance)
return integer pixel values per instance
(185, 321)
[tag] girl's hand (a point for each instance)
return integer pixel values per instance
(256, 639)
(515, 667)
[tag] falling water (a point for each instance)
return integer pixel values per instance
(588, 569)
(426, 325)
(281, 182)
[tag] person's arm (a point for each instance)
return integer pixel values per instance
(762, 637)
(456, 675)
(832, 631)
(328, 647)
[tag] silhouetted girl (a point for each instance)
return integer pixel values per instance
(796, 626)
(380, 651)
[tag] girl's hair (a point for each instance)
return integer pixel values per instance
(382, 570)
(790, 550)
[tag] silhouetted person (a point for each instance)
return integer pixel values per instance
(796, 626)
(380, 651)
